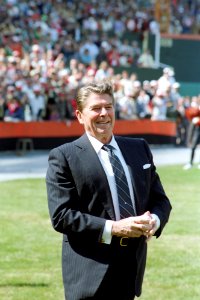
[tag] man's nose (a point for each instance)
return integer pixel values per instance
(103, 111)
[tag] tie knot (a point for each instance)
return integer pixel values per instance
(108, 148)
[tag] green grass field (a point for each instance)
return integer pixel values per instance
(30, 258)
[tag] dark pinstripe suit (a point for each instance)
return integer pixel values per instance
(80, 201)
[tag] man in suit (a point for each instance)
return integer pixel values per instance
(104, 241)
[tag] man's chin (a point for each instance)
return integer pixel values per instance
(105, 131)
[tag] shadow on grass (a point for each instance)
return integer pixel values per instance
(24, 284)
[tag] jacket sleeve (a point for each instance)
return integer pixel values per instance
(159, 203)
(64, 201)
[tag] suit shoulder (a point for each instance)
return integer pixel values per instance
(131, 140)
(64, 147)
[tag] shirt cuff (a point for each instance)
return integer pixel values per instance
(107, 232)
(155, 217)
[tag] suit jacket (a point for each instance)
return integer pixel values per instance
(80, 202)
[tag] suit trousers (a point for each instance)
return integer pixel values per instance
(119, 281)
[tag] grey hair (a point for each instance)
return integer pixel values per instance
(98, 87)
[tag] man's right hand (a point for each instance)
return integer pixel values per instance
(133, 226)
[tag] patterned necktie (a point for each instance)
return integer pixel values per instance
(124, 198)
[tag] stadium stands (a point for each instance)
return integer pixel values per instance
(50, 48)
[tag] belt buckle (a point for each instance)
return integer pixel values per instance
(122, 242)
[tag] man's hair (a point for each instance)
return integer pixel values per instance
(98, 87)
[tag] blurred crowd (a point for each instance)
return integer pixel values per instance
(185, 17)
(48, 49)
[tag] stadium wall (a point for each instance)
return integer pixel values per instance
(49, 134)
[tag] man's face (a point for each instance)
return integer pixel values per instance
(98, 116)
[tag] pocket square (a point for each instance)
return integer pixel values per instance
(146, 166)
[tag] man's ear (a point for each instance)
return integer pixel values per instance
(79, 116)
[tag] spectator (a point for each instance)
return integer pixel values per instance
(182, 122)
(119, 25)
(164, 82)
(14, 110)
(143, 105)
(146, 85)
(175, 95)
(92, 48)
(85, 57)
(102, 71)
(194, 133)
(2, 107)
(146, 60)
(113, 58)
(107, 23)
(127, 106)
(159, 109)
(102, 55)
(37, 104)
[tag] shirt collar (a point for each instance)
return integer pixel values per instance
(97, 145)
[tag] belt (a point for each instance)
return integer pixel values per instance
(124, 241)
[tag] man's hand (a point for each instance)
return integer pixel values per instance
(156, 225)
(135, 226)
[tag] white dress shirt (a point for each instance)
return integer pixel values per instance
(104, 159)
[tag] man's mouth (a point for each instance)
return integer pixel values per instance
(103, 122)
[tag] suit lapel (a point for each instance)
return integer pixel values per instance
(91, 162)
